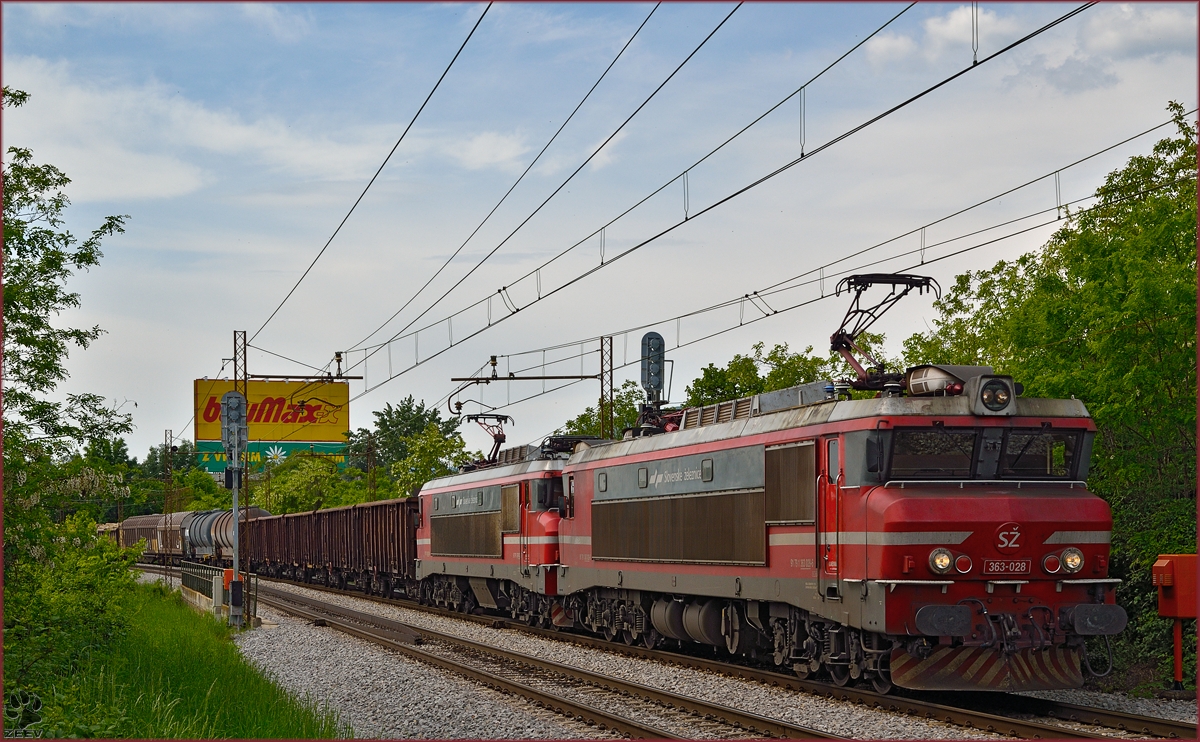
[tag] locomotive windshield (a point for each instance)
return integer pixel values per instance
(970, 453)
(1039, 454)
(933, 453)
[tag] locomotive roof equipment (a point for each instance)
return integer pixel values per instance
(859, 318)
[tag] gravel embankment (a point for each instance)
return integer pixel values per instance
(383, 695)
(836, 717)
(1161, 707)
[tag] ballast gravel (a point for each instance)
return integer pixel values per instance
(835, 717)
(1163, 708)
(382, 694)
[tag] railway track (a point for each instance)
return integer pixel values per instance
(647, 712)
(984, 711)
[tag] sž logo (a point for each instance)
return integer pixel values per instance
(1008, 538)
(269, 410)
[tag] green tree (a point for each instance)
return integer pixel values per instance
(303, 483)
(742, 376)
(394, 425)
(39, 258)
(626, 401)
(202, 491)
(431, 454)
(182, 459)
(63, 587)
(112, 451)
(1106, 312)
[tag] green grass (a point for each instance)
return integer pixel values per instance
(177, 674)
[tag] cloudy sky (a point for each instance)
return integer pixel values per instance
(237, 137)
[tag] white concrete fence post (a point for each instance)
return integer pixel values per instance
(218, 594)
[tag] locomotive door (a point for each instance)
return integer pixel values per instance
(829, 520)
(523, 534)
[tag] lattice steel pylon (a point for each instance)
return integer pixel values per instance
(607, 412)
(168, 478)
(239, 361)
(240, 374)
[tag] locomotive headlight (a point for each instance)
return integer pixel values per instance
(940, 560)
(995, 395)
(1072, 560)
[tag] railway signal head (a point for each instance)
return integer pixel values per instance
(653, 361)
(234, 429)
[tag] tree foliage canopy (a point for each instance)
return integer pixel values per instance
(742, 376)
(626, 401)
(394, 425)
(431, 454)
(40, 256)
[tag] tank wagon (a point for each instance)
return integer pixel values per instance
(199, 536)
(938, 536)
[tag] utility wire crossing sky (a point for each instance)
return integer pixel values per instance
(519, 143)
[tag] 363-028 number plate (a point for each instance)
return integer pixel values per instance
(1006, 566)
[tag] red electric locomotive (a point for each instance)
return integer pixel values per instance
(937, 536)
(489, 538)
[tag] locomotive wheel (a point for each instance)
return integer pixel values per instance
(882, 683)
(840, 675)
(801, 670)
(627, 637)
(650, 638)
(610, 634)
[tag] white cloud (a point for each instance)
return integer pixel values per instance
(1140, 30)
(953, 30)
(1075, 74)
(488, 149)
(280, 21)
(887, 47)
(948, 32)
(162, 16)
(605, 157)
(134, 142)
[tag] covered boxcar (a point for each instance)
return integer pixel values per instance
(138, 528)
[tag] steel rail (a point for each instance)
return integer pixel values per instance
(574, 709)
(742, 720)
(964, 717)
(959, 716)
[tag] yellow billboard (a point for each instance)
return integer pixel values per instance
(291, 411)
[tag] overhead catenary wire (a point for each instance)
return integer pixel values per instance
(371, 182)
(565, 182)
(816, 299)
(656, 191)
(821, 268)
(291, 360)
(778, 171)
(511, 188)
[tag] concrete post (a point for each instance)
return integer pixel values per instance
(218, 591)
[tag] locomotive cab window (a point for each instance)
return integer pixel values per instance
(1040, 454)
(546, 494)
(933, 453)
